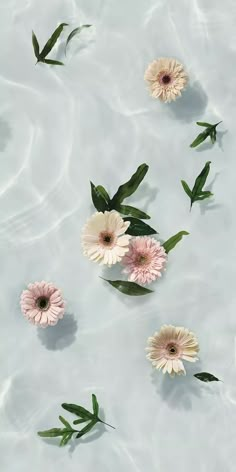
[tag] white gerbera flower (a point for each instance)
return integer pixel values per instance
(166, 78)
(104, 239)
(168, 347)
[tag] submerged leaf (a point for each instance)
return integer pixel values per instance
(200, 138)
(131, 186)
(35, 45)
(186, 188)
(52, 40)
(95, 405)
(75, 32)
(51, 433)
(87, 428)
(52, 62)
(206, 377)
(77, 410)
(200, 181)
(100, 197)
(66, 424)
(171, 243)
(131, 211)
(201, 123)
(209, 131)
(138, 227)
(129, 288)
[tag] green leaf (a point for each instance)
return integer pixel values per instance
(206, 125)
(99, 198)
(52, 40)
(82, 420)
(75, 32)
(66, 424)
(35, 45)
(131, 186)
(95, 405)
(186, 188)
(200, 182)
(171, 243)
(131, 211)
(129, 288)
(138, 227)
(200, 138)
(206, 377)
(52, 62)
(66, 438)
(104, 193)
(86, 429)
(77, 410)
(51, 433)
(204, 195)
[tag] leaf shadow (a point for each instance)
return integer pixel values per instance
(219, 138)
(191, 104)
(57, 338)
(5, 134)
(180, 391)
(208, 204)
(148, 194)
(98, 430)
(208, 145)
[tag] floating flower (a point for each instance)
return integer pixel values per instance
(104, 239)
(166, 78)
(169, 346)
(42, 304)
(145, 260)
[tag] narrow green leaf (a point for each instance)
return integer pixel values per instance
(131, 211)
(186, 188)
(138, 227)
(206, 125)
(203, 196)
(51, 433)
(200, 138)
(99, 199)
(104, 193)
(206, 377)
(75, 32)
(52, 62)
(52, 40)
(77, 410)
(131, 186)
(66, 438)
(35, 45)
(95, 405)
(86, 429)
(171, 243)
(82, 420)
(66, 424)
(200, 181)
(129, 288)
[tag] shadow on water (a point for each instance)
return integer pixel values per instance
(207, 145)
(180, 391)
(5, 134)
(209, 204)
(191, 105)
(60, 336)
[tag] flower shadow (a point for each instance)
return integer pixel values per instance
(180, 391)
(57, 338)
(191, 105)
(5, 134)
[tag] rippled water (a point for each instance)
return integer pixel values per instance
(93, 119)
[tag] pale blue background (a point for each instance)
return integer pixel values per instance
(94, 119)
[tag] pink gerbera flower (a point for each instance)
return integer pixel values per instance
(42, 304)
(145, 260)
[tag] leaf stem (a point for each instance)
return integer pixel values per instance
(106, 424)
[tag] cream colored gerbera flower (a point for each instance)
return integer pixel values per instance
(103, 238)
(166, 78)
(168, 347)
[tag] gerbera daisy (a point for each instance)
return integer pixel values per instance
(42, 304)
(104, 239)
(145, 260)
(169, 346)
(166, 78)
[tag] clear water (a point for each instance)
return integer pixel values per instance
(93, 119)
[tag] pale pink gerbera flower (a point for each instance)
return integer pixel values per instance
(169, 346)
(104, 239)
(145, 260)
(42, 304)
(166, 78)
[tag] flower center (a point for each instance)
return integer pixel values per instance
(142, 259)
(166, 79)
(172, 350)
(42, 303)
(106, 238)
